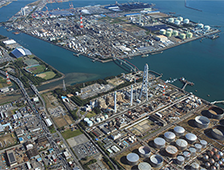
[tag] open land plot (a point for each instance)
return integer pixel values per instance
(47, 75)
(142, 127)
(9, 97)
(115, 81)
(77, 140)
(60, 121)
(7, 140)
(131, 28)
(37, 69)
(69, 119)
(69, 133)
(49, 99)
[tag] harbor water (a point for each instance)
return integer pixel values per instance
(199, 62)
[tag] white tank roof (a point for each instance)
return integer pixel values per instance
(169, 135)
(132, 157)
(198, 146)
(171, 149)
(180, 158)
(179, 129)
(144, 166)
(191, 137)
(159, 141)
(187, 154)
(203, 142)
(144, 150)
(156, 159)
(195, 165)
(181, 143)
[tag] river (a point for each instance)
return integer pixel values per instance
(199, 62)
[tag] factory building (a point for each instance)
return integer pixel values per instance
(11, 158)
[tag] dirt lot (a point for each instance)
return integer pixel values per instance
(115, 81)
(60, 121)
(50, 100)
(68, 119)
(131, 28)
(7, 140)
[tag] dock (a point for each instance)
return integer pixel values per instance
(183, 80)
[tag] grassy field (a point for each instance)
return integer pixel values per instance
(69, 133)
(37, 69)
(2, 82)
(47, 75)
(90, 114)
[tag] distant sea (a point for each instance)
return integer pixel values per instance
(199, 62)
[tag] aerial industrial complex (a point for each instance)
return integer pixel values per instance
(109, 32)
(133, 121)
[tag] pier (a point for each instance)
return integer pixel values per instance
(183, 80)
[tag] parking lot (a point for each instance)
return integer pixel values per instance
(85, 150)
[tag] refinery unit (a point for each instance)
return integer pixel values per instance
(155, 125)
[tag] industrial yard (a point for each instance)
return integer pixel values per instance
(109, 32)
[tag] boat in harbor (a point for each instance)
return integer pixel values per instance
(157, 52)
(145, 55)
(16, 33)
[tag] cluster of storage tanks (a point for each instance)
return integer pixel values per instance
(91, 121)
(212, 159)
(201, 26)
(184, 148)
(170, 32)
(178, 20)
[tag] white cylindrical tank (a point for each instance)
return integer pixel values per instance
(106, 116)
(132, 158)
(203, 143)
(144, 151)
(177, 22)
(195, 166)
(182, 36)
(207, 27)
(86, 119)
(187, 155)
(181, 144)
(192, 151)
(163, 31)
(156, 161)
(200, 25)
(191, 138)
(171, 151)
(98, 120)
(180, 160)
(169, 136)
(180, 18)
(171, 20)
(189, 35)
(90, 123)
(202, 121)
(198, 147)
(159, 142)
(175, 33)
(168, 34)
(186, 21)
(169, 30)
(144, 166)
(179, 131)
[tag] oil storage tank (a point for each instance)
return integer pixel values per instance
(132, 159)
(179, 131)
(203, 143)
(144, 166)
(218, 132)
(186, 21)
(180, 160)
(182, 36)
(189, 35)
(181, 144)
(191, 138)
(195, 166)
(156, 161)
(169, 136)
(159, 142)
(162, 31)
(171, 150)
(175, 33)
(171, 20)
(200, 25)
(144, 151)
(180, 18)
(202, 122)
(207, 27)
(215, 112)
